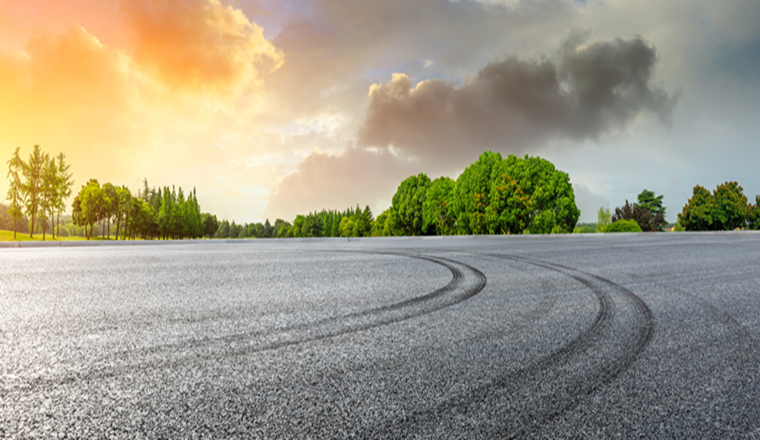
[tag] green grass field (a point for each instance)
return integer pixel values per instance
(8, 236)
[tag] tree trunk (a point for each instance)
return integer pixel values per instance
(31, 230)
(44, 228)
(14, 228)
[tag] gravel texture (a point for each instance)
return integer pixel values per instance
(596, 336)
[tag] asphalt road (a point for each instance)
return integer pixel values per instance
(599, 336)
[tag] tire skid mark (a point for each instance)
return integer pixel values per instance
(466, 282)
(562, 396)
(639, 338)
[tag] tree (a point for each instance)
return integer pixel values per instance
(89, 206)
(725, 209)
(407, 205)
(552, 199)
(639, 214)
(509, 208)
(111, 209)
(472, 193)
(363, 222)
(730, 207)
(647, 200)
(16, 191)
(378, 226)
(603, 219)
(210, 224)
(438, 209)
(33, 186)
(48, 201)
(64, 183)
(346, 228)
(698, 211)
(753, 215)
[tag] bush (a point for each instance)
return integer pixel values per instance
(624, 226)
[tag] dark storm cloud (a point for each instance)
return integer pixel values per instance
(582, 93)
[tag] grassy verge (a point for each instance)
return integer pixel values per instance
(8, 236)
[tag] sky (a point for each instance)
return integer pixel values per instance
(274, 108)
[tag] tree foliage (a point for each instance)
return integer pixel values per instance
(629, 225)
(725, 209)
(407, 206)
(437, 209)
(16, 191)
(508, 196)
(604, 219)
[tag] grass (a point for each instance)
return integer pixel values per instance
(8, 236)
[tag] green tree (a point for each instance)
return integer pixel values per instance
(730, 207)
(48, 201)
(438, 208)
(224, 230)
(298, 225)
(346, 228)
(210, 224)
(697, 214)
(407, 205)
(363, 223)
(33, 186)
(552, 199)
(472, 194)
(16, 190)
(64, 183)
(111, 210)
(509, 208)
(753, 217)
(604, 219)
(647, 200)
(90, 206)
(378, 226)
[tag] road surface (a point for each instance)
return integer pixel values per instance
(649, 335)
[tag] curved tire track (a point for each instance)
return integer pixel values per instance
(466, 282)
(523, 400)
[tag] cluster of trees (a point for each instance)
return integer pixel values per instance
(163, 213)
(493, 195)
(226, 229)
(645, 215)
(348, 223)
(38, 190)
(725, 209)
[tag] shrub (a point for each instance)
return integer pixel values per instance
(624, 226)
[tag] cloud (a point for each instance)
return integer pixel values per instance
(511, 105)
(198, 44)
(338, 181)
(67, 90)
(124, 113)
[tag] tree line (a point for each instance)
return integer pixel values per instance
(38, 189)
(725, 209)
(163, 213)
(40, 186)
(494, 195)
